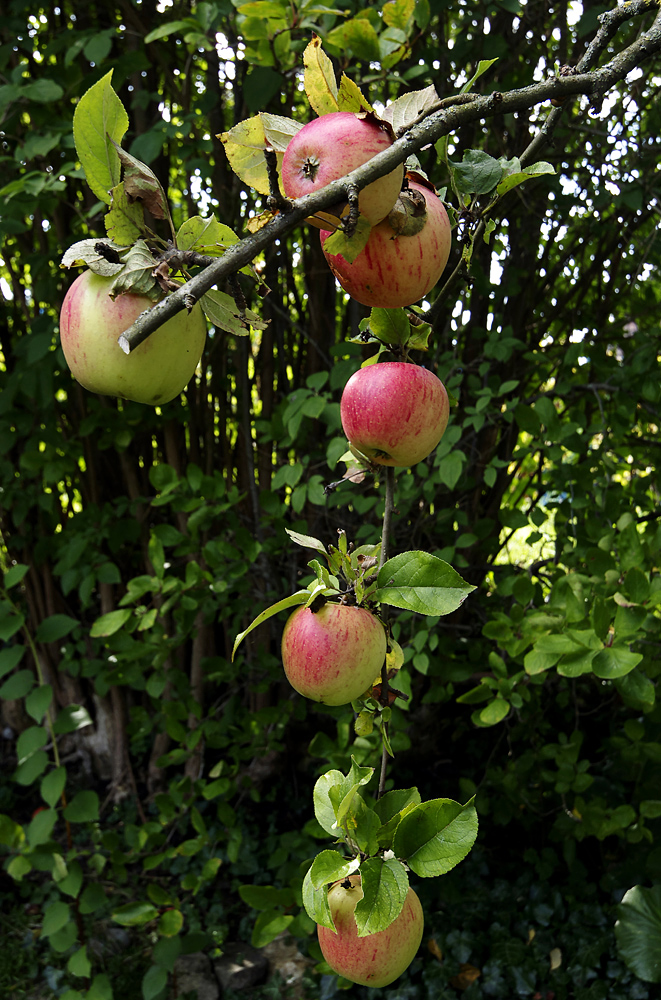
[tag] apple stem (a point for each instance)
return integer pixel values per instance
(384, 767)
(388, 510)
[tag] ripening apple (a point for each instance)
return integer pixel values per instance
(330, 147)
(377, 959)
(394, 269)
(154, 372)
(394, 413)
(335, 654)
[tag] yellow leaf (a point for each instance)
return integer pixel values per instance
(350, 97)
(556, 958)
(244, 146)
(320, 84)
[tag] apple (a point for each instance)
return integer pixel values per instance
(394, 413)
(330, 147)
(333, 655)
(377, 959)
(394, 269)
(154, 372)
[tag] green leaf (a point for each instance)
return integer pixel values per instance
(63, 939)
(482, 67)
(72, 883)
(493, 713)
(300, 597)
(72, 718)
(385, 886)
(100, 988)
(419, 581)
(14, 575)
(390, 326)
(638, 931)
(10, 623)
(265, 897)
(99, 118)
(614, 661)
(93, 898)
(10, 658)
(436, 836)
(154, 982)
(30, 741)
(83, 808)
(316, 903)
(323, 807)
(307, 541)
(407, 799)
(55, 627)
(11, 833)
(170, 923)
(79, 964)
(477, 173)
(164, 30)
(513, 180)
(17, 686)
(110, 623)
(18, 867)
(38, 701)
(331, 866)
(134, 914)
(267, 927)
(636, 689)
(56, 916)
(35, 765)
(41, 827)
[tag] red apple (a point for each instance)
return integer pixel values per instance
(394, 413)
(333, 655)
(392, 269)
(377, 959)
(154, 372)
(331, 147)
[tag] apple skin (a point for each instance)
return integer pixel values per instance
(330, 147)
(377, 959)
(333, 655)
(394, 413)
(395, 270)
(154, 372)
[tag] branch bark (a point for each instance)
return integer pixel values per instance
(595, 83)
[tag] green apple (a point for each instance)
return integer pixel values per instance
(376, 959)
(154, 372)
(333, 655)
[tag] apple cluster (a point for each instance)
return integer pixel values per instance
(410, 240)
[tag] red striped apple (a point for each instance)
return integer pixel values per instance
(154, 372)
(394, 413)
(394, 269)
(330, 147)
(377, 959)
(335, 654)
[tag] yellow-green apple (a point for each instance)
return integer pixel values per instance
(395, 269)
(394, 413)
(376, 959)
(154, 372)
(330, 147)
(333, 655)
